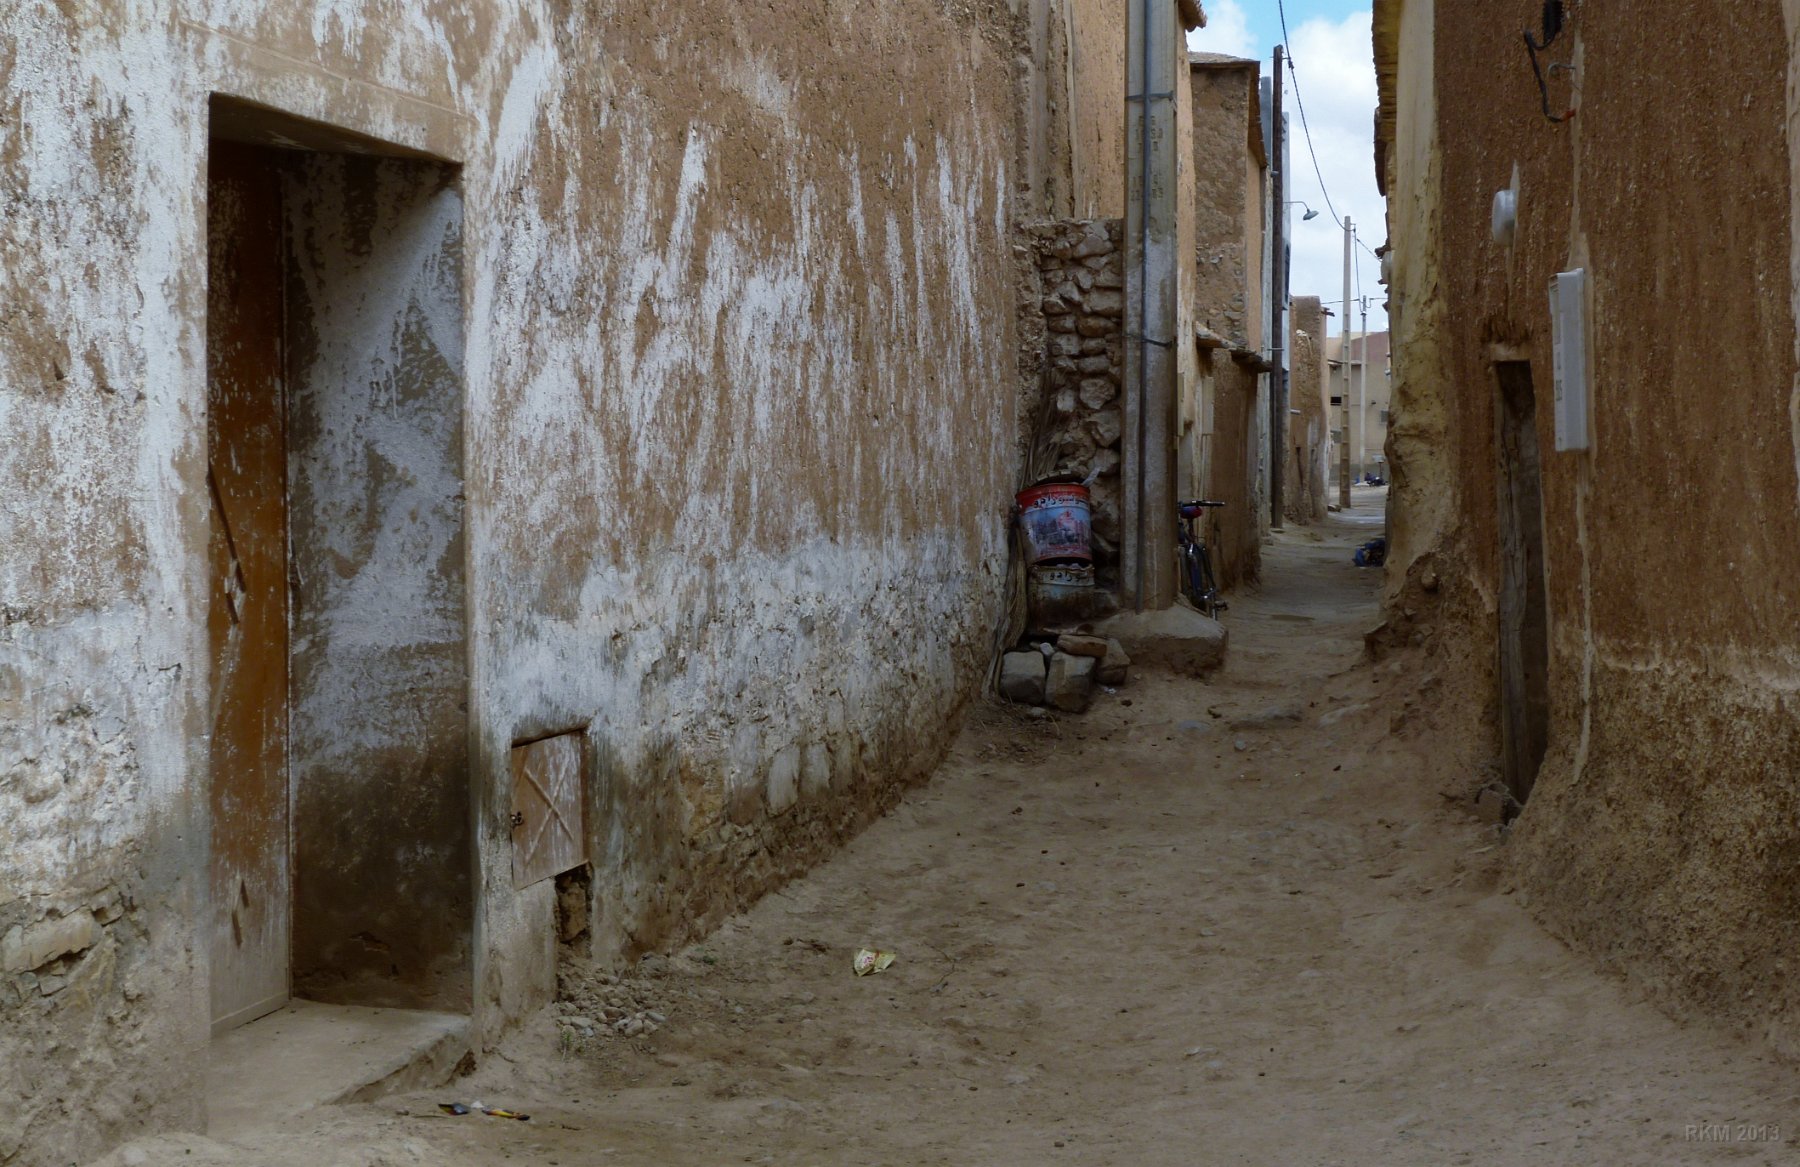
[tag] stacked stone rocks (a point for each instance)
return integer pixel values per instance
(1081, 268)
(1062, 673)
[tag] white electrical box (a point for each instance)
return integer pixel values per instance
(1569, 339)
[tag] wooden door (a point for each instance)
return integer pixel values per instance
(1524, 614)
(549, 828)
(248, 618)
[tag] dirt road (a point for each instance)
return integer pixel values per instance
(1233, 922)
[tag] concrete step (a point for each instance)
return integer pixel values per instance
(308, 1055)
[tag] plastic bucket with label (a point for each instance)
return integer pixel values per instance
(1054, 519)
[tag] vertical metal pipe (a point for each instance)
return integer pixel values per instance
(1147, 14)
(1344, 363)
(1362, 394)
(1278, 387)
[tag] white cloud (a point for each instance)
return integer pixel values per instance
(1227, 31)
(1334, 69)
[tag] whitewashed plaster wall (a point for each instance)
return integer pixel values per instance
(738, 349)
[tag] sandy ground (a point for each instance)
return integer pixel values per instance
(1237, 922)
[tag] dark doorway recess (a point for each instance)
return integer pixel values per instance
(1524, 616)
(341, 864)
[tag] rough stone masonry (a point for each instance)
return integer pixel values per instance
(1081, 284)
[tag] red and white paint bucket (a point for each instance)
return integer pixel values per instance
(1054, 518)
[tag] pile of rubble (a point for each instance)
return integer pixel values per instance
(604, 1005)
(1063, 673)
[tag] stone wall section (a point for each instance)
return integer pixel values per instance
(1081, 303)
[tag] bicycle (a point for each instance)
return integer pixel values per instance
(1197, 579)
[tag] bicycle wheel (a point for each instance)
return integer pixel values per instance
(1209, 584)
(1192, 580)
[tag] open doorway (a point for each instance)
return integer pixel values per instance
(1524, 616)
(340, 866)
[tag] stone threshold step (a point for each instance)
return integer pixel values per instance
(307, 1055)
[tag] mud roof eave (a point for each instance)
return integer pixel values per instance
(1192, 15)
(1385, 31)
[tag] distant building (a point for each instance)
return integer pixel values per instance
(1360, 390)
(1309, 443)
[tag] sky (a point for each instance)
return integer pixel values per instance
(1334, 71)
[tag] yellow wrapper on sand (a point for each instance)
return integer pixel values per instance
(870, 961)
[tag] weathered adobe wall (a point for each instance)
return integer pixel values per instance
(1072, 123)
(779, 480)
(1431, 597)
(736, 484)
(1225, 299)
(1069, 92)
(1228, 198)
(1040, 84)
(1309, 430)
(1234, 532)
(1255, 222)
(1424, 500)
(1096, 98)
(103, 996)
(1662, 833)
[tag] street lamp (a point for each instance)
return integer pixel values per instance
(1310, 213)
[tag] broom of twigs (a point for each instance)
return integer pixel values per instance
(1038, 463)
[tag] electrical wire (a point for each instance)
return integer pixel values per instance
(1553, 25)
(1318, 171)
(1306, 130)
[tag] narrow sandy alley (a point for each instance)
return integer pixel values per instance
(1234, 922)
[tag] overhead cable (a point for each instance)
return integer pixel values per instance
(1306, 130)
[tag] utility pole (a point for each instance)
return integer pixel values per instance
(1344, 358)
(1362, 394)
(1278, 388)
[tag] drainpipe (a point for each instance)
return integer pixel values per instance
(1153, 82)
(1362, 396)
(1278, 383)
(1344, 353)
(1146, 16)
